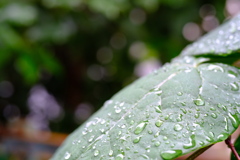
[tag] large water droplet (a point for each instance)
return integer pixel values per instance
(191, 144)
(67, 155)
(158, 123)
(136, 140)
(215, 68)
(234, 86)
(232, 74)
(119, 157)
(178, 127)
(171, 154)
(222, 137)
(96, 153)
(226, 125)
(234, 120)
(199, 102)
(140, 127)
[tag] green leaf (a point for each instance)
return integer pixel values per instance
(172, 111)
(182, 107)
(223, 41)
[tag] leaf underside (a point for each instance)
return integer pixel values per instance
(184, 106)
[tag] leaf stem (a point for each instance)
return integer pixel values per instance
(198, 152)
(231, 146)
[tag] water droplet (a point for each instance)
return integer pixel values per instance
(234, 120)
(165, 138)
(132, 122)
(183, 103)
(191, 144)
(212, 109)
(215, 68)
(91, 139)
(96, 153)
(158, 109)
(67, 155)
(167, 117)
(110, 153)
(145, 156)
(157, 144)
(179, 93)
(119, 157)
(214, 115)
(140, 127)
(222, 137)
(234, 86)
(199, 102)
(150, 131)
(136, 140)
(171, 154)
(179, 118)
(158, 123)
(197, 115)
(178, 127)
(118, 110)
(157, 134)
(226, 125)
(232, 74)
(184, 110)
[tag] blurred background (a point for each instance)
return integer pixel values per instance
(61, 59)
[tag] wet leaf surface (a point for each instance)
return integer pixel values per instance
(184, 106)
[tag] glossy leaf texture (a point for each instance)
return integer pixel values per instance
(182, 107)
(223, 41)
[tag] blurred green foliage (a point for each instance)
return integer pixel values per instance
(61, 44)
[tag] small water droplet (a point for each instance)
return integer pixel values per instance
(157, 134)
(110, 153)
(158, 109)
(136, 140)
(91, 139)
(234, 86)
(197, 115)
(158, 123)
(140, 127)
(199, 102)
(178, 127)
(167, 117)
(179, 93)
(145, 156)
(67, 155)
(150, 131)
(157, 144)
(183, 103)
(226, 125)
(212, 108)
(184, 110)
(165, 138)
(179, 118)
(118, 110)
(132, 122)
(96, 153)
(214, 115)
(119, 157)
(191, 144)
(171, 154)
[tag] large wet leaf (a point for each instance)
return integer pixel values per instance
(184, 106)
(224, 41)
(177, 109)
